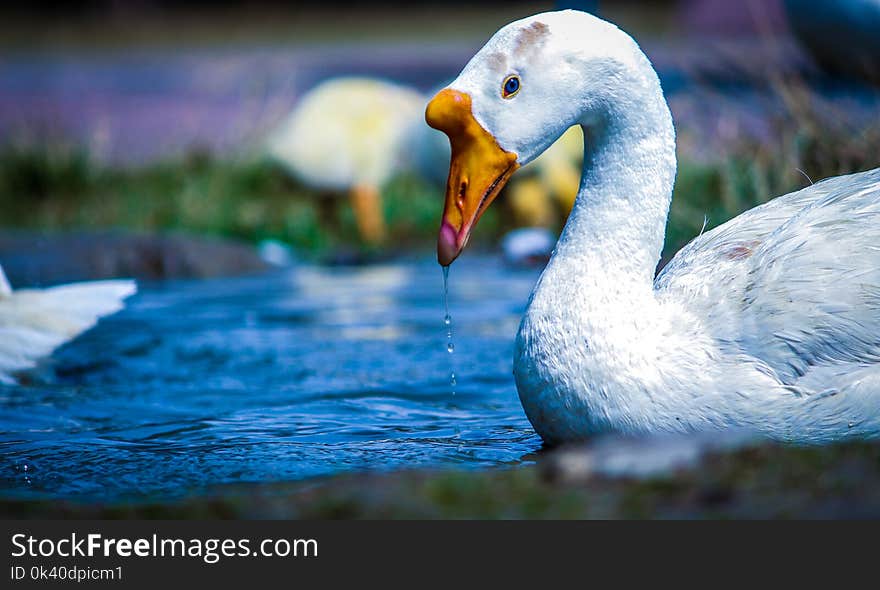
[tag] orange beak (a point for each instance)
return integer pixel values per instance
(478, 171)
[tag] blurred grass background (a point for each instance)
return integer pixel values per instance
(60, 187)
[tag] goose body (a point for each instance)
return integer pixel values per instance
(34, 322)
(769, 322)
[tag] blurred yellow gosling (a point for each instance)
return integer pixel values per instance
(346, 135)
(549, 184)
(560, 168)
(529, 202)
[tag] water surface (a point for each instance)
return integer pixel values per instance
(305, 372)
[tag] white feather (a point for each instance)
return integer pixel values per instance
(34, 322)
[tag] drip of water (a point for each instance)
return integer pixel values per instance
(447, 320)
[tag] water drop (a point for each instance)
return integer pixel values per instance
(447, 321)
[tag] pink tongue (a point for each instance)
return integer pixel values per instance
(447, 249)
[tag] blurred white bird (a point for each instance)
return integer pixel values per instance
(34, 322)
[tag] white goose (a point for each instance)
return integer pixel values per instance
(770, 322)
(34, 322)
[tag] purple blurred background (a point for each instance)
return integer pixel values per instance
(138, 81)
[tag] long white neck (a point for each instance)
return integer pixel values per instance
(612, 241)
(588, 347)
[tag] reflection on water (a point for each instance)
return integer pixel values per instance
(306, 372)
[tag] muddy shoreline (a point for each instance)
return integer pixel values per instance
(764, 481)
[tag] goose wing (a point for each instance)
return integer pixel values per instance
(795, 282)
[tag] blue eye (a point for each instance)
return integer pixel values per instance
(510, 86)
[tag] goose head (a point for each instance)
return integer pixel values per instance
(533, 79)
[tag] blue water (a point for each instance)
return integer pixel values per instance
(300, 373)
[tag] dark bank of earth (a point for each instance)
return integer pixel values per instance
(38, 258)
(764, 481)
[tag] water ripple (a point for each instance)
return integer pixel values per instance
(298, 374)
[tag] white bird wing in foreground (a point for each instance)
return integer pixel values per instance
(794, 283)
(34, 322)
